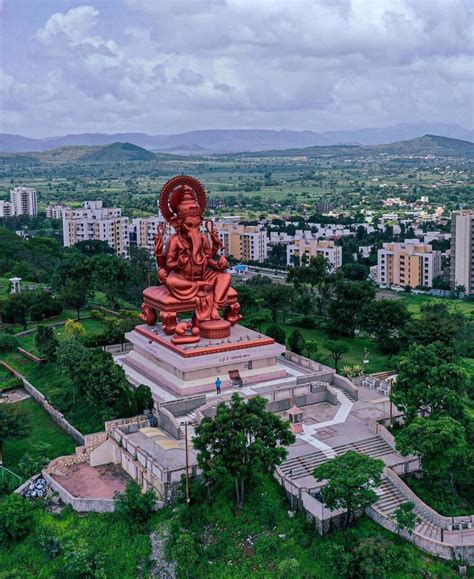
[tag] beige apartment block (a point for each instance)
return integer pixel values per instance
(243, 242)
(411, 264)
(99, 223)
(144, 229)
(462, 250)
(302, 250)
(24, 200)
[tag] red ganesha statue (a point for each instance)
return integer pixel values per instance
(193, 276)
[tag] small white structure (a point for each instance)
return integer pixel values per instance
(15, 287)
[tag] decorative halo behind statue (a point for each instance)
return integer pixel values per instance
(172, 186)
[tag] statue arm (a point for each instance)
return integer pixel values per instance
(173, 258)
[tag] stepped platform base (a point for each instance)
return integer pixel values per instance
(179, 370)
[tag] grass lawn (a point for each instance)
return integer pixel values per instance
(50, 381)
(378, 361)
(42, 429)
(414, 302)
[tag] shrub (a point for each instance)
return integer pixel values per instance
(8, 343)
(16, 518)
(134, 506)
(277, 333)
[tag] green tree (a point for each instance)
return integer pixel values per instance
(354, 271)
(241, 440)
(296, 342)
(312, 348)
(70, 356)
(440, 442)
(336, 348)
(435, 324)
(14, 423)
(16, 518)
(111, 275)
(351, 482)
(277, 333)
(386, 320)
(103, 381)
(134, 506)
(313, 278)
(349, 300)
(73, 280)
(276, 298)
(17, 309)
(46, 342)
(428, 384)
(405, 517)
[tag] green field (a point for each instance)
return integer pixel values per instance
(42, 429)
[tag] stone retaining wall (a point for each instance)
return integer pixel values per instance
(346, 385)
(443, 550)
(57, 416)
(80, 504)
(32, 357)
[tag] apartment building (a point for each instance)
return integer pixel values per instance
(143, 230)
(243, 242)
(7, 209)
(24, 200)
(56, 211)
(99, 223)
(412, 263)
(462, 250)
(301, 250)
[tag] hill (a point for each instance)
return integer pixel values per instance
(117, 152)
(428, 145)
(220, 141)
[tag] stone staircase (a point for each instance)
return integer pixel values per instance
(305, 465)
(390, 498)
(190, 418)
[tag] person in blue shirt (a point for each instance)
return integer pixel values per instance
(218, 384)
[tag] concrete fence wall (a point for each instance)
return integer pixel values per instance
(346, 385)
(32, 357)
(57, 416)
(168, 422)
(184, 405)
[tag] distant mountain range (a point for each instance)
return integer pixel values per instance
(428, 145)
(238, 140)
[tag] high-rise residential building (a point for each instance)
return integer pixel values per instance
(462, 250)
(243, 242)
(412, 263)
(7, 209)
(56, 211)
(24, 200)
(300, 251)
(97, 222)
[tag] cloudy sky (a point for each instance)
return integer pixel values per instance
(165, 66)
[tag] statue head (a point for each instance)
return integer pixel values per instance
(182, 203)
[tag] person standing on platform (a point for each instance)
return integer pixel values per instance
(218, 385)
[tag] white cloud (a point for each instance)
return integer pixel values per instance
(171, 65)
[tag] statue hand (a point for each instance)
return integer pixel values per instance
(183, 260)
(222, 263)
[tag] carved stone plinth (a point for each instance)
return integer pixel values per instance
(215, 329)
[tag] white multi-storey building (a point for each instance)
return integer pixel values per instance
(56, 211)
(302, 250)
(462, 250)
(97, 222)
(243, 242)
(7, 209)
(24, 200)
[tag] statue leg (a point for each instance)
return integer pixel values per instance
(168, 319)
(148, 315)
(232, 313)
